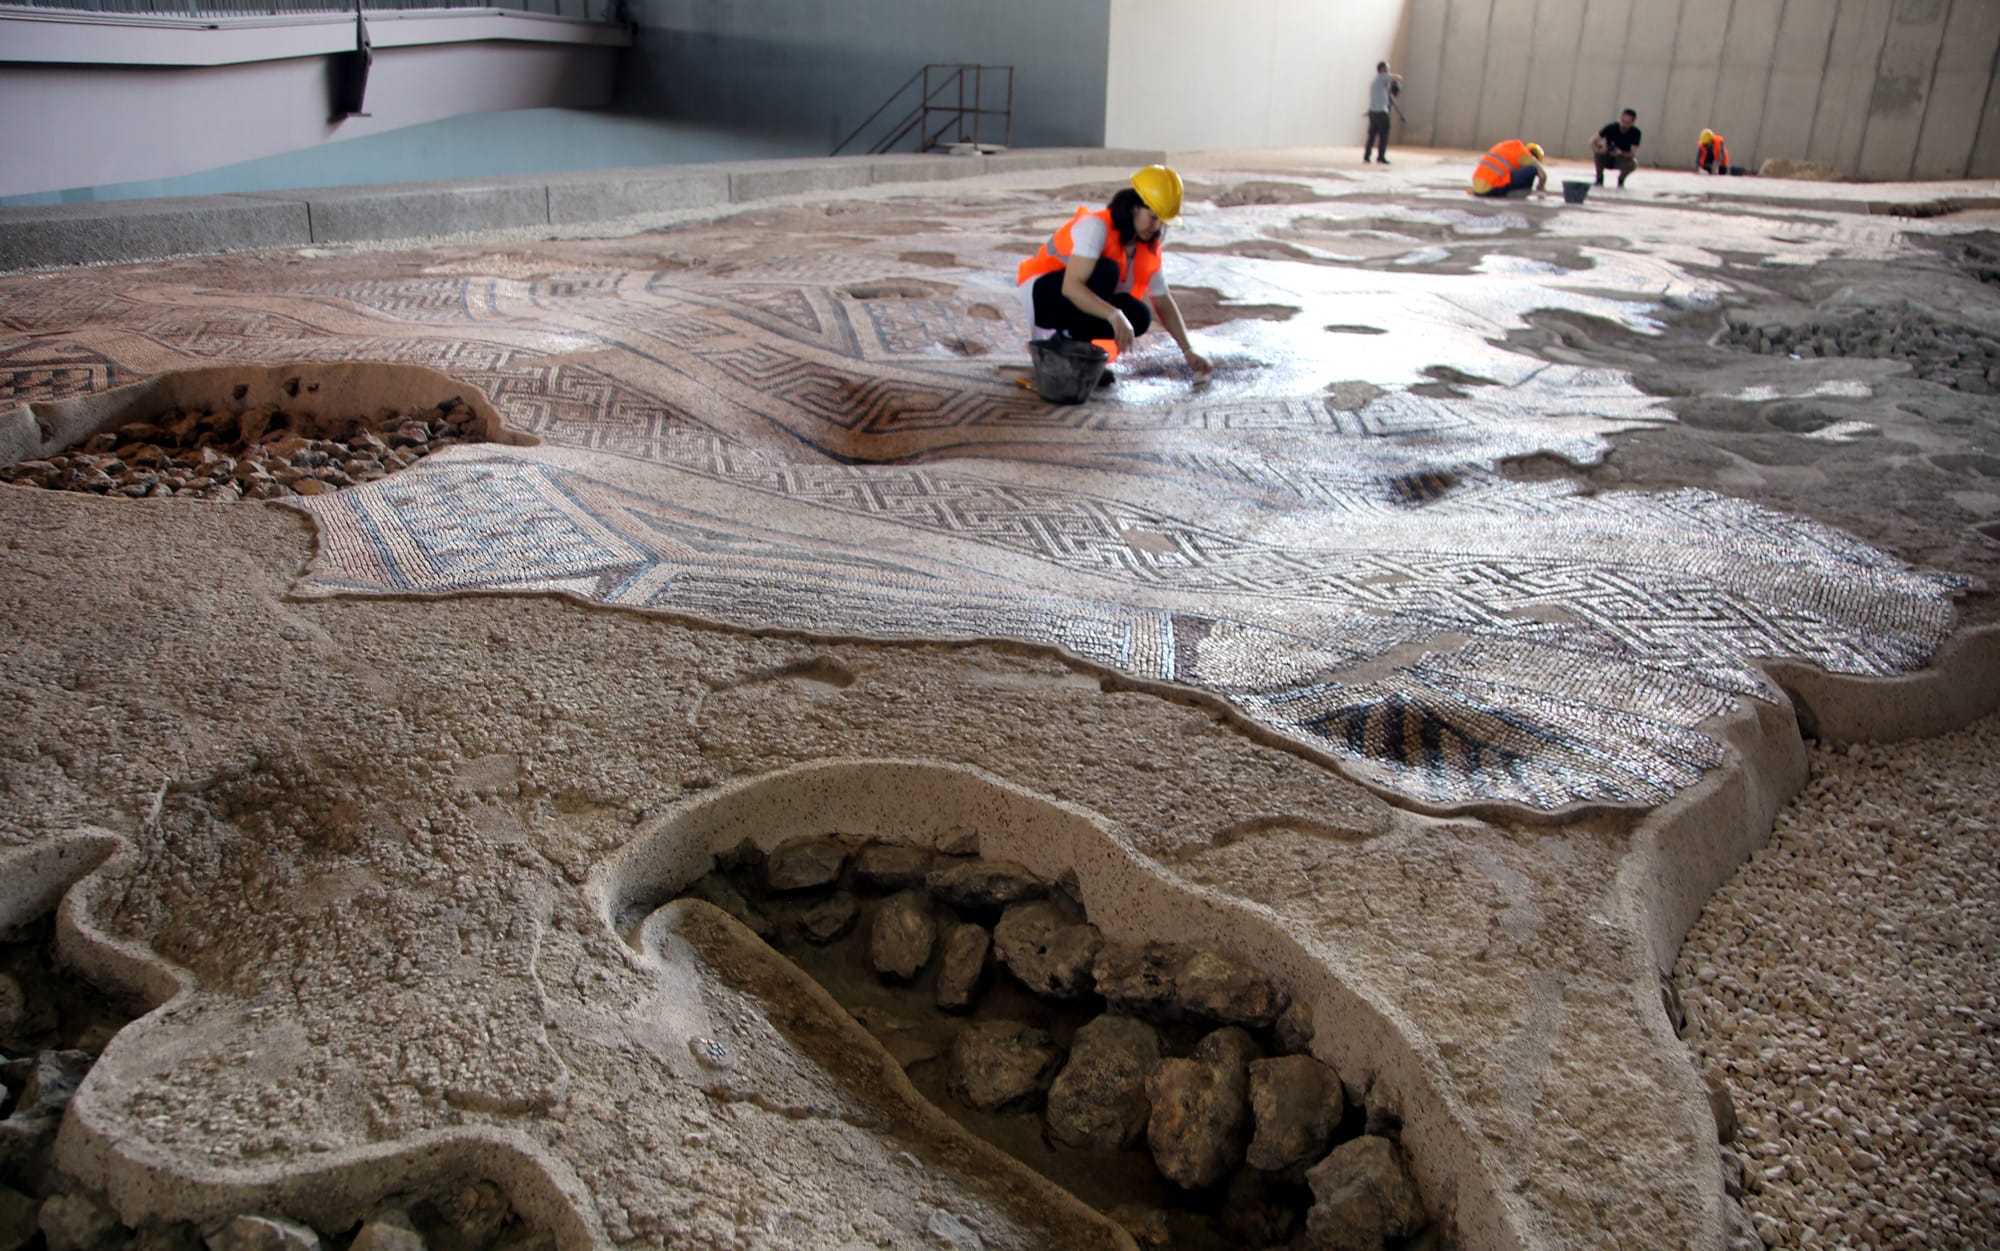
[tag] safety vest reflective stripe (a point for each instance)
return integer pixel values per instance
(1142, 264)
(1498, 166)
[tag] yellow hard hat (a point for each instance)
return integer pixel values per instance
(1707, 136)
(1160, 188)
(1535, 150)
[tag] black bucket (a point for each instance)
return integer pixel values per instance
(1066, 370)
(1574, 192)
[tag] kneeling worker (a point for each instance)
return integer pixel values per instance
(1508, 167)
(1092, 279)
(1617, 147)
(1711, 156)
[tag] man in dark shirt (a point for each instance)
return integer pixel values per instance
(1617, 147)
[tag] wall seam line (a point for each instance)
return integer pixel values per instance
(1721, 68)
(1479, 107)
(1444, 43)
(1771, 78)
(1673, 59)
(1874, 84)
(1979, 130)
(1575, 58)
(1930, 88)
(1624, 54)
(1819, 96)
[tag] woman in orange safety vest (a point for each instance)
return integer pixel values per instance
(1711, 156)
(1509, 166)
(1091, 280)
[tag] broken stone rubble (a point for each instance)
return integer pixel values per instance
(261, 453)
(1217, 1115)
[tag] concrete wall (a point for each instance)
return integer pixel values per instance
(76, 117)
(1879, 89)
(1190, 74)
(815, 69)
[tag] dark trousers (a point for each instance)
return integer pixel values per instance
(1378, 136)
(1054, 311)
(1523, 179)
(1623, 162)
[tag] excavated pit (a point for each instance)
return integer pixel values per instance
(1006, 1008)
(250, 432)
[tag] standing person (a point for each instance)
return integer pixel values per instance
(1510, 166)
(1617, 147)
(1711, 156)
(1091, 280)
(1382, 95)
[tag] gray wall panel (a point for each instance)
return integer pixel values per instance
(1649, 51)
(1741, 89)
(1858, 33)
(1879, 89)
(1798, 70)
(1599, 83)
(1902, 88)
(1698, 43)
(816, 69)
(1986, 147)
(1551, 75)
(1462, 76)
(1964, 68)
(1423, 75)
(1510, 43)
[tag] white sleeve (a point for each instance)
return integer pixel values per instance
(1087, 237)
(1158, 286)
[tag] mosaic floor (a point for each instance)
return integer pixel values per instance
(827, 433)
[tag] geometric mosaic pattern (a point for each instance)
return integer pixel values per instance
(827, 442)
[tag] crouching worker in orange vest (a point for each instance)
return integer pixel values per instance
(1508, 167)
(1711, 155)
(1091, 280)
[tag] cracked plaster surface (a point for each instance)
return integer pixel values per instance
(363, 832)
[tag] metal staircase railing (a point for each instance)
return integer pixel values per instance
(947, 97)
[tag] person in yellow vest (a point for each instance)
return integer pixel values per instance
(1711, 156)
(1508, 167)
(1092, 279)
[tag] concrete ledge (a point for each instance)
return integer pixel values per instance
(914, 167)
(607, 194)
(137, 230)
(1130, 158)
(759, 180)
(1033, 159)
(410, 210)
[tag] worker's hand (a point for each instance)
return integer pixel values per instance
(1197, 362)
(1121, 329)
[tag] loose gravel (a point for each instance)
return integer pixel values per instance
(1843, 985)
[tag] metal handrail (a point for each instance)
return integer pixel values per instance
(918, 119)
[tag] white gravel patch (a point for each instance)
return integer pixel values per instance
(1844, 985)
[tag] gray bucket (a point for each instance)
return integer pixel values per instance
(1574, 192)
(1066, 370)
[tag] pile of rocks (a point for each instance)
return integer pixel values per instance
(1959, 357)
(473, 1217)
(260, 453)
(52, 1029)
(1177, 1054)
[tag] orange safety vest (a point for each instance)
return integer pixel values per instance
(1717, 150)
(1142, 263)
(1498, 167)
